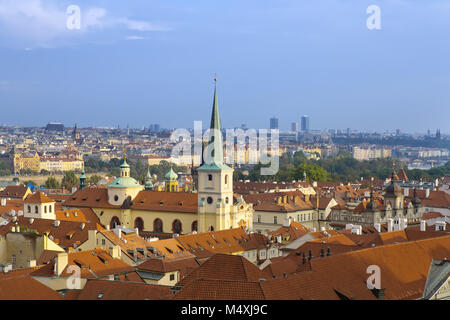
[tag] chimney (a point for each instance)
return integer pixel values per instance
(377, 227)
(137, 231)
(403, 223)
(31, 263)
(118, 232)
(313, 229)
(56, 223)
(406, 192)
(348, 226)
(423, 225)
(62, 259)
(322, 228)
(115, 252)
(82, 225)
(107, 227)
(390, 225)
(357, 229)
(427, 193)
(3, 202)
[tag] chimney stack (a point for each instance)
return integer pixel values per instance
(423, 225)
(3, 202)
(403, 223)
(427, 193)
(390, 225)
(31, 263)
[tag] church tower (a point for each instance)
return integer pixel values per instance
(216, 210)
(171, 181)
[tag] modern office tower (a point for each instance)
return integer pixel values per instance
(305, 123)
(274, 123)
(294, 126)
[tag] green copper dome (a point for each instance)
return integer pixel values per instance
(124, 182)
(171, 175)
(148, 181)
(83, 175)
(124, 164)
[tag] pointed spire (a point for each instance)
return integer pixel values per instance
(215, 135)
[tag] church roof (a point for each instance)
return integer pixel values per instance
(124, 182)
(171, 175)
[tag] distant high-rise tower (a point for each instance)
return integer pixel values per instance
(305, 123)
(294, 126)
(273, 123)
(438, 134)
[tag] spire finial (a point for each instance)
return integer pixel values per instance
(215, 77)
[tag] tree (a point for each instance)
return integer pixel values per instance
(94, 179)
(69, 180)
(52, 183)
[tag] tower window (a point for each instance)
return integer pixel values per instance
(227, 200)
(226, 179)
(209, 200)
(209, 177)
(116, 198)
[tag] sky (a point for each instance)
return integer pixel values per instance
(153, 61)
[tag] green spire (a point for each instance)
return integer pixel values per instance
(215, 135)
(83, 180)
(171, 175)
(148, 180)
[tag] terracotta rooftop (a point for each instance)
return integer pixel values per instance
(38, 197)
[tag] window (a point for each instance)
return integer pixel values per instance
(36, 210)
(176, 226)
(209, 200)
(227, 200)
(139, 224)
(116, 198)
(194, 226)
(209, 177)
(157, 225)
(114, 222)
(50, 209)
(226, 179)
(13, 259)
(103, 242)
(45, 209)
(259, 218)
(172, 277)
(275, 220)
(29, 209)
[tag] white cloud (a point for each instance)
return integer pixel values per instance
(44, 22)
(134, 38)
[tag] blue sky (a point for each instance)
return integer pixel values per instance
(152, 61)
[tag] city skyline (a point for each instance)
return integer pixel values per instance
(340, 72)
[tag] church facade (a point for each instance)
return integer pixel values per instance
(214, 207)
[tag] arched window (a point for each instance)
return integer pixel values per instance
(194, 226)
(139, 224)
(157, 225)
(50, 209)
(36, 210)
(176, 226)
(114, 222)
(226, 179)
(210, 177)
(29, 209)
(45, 209)
(211, 228)
(172, 188)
